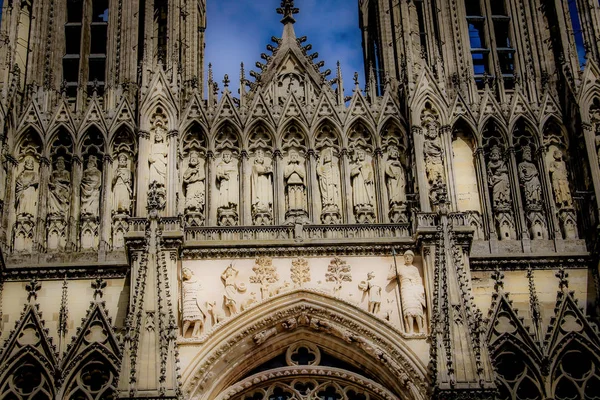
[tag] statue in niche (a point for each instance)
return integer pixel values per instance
(560, 181)
(498, 180)
(530, 180)
(395, 177)
(91, 182)
(294, 175)
(363, 194)
(434, 155)
(329, 184)
(228, 181)
(232, 287)
(122, 186)
(261, 188)
(373, 293)
(158, 156)
(412, 293)
(193, 184)
(192, 311)
(26, 196)
(60, 190)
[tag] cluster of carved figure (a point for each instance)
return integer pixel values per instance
(196, 310)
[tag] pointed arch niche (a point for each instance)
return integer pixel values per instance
(466, 179)
(301, 343)
(193, 167)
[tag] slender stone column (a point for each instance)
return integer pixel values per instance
(280, 194)
(347, 203)
(418, 139)
(142, 173)
(245, 201)
(105, 206)
(8, 209)
(484, 194)
(379, 187)
(172, 173)
(40, 244)
(518, 204)
(73, 218)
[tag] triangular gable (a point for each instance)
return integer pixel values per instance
(359, 108)
(93, 116)
(506, 324)
(260, 110)
(550, 107)
(293, 109)
(124, 115)
(427, 88)
(62, 117)
(567, 323)
(389, 108)
(159, 88)
(32, 117)
(227, 110)
(589, 82)
(461, 110)
(29, 337)
(520, 107)
(194, 111)
(489, 106)
(95, 334)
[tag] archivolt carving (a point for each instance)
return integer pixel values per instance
(283, 318)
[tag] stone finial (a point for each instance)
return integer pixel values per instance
(288, 10)
(98, 285)
(32, 288)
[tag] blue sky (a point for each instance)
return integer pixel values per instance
(239, 30)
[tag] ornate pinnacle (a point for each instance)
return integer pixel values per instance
(32, 288)
(288, 10)
(226, 81)
(98, 285)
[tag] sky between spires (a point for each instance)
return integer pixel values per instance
(239, 30)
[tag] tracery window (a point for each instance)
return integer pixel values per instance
(577, 375)
(490, 41)
(85, 25)
(29, 381)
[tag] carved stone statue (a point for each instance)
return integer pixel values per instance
(192, 310)
(363, 192)
(329, 181)
(59, 195)
(373, 292)
(395, 178)
(122, 186)
(158, 156)
(530, 180)
(261, 188)
(560, 181)
(295, 174)
(228, 181)
(232, 287)
(498, 180)
(412, 293)
(91, 182)
(26, 195)
(193, 184)
(434, 155)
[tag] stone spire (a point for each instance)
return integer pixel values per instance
(288, 10)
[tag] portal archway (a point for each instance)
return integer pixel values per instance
(248, 354)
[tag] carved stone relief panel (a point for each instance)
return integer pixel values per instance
(393, 292)
(227, 177)
(434, 156)
(193, 176)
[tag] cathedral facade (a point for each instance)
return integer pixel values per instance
(432, 235)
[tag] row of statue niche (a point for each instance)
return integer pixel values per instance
(196, 311)
(294, 174)
(59, 195)
(529, 177)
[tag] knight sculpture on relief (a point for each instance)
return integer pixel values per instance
(192, 311)
(228, 181)
(60, 190)
(373, 292)
(27, 183)
(91, 182)
(412, 293)
(530, 180)
(261, 183)
(122, 186)
(158, 156)
(194, 184)
(229, 278)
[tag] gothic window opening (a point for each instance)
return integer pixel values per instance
(95, 380)
(161, 13)
(516, 378)
(577, 375)
(91, 23)
(23, 36)
(374, 52)
(577, 33)
(483, 39)
(28, 381)
(422, 31)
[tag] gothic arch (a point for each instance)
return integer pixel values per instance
(576, 370)
(27, 378)
(251, 338)
(284, 133)
(369, 128)
(25, 139)
(93, 137)
(260, 134)
(337, 128)
(123, 136)
(327, 133)
(527, 126)
(94, 377)
(193, 138)
(232, 136)
(498, 124)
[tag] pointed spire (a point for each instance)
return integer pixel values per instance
(340, 84)
(242, 85)
(288, 10)
(211, 85)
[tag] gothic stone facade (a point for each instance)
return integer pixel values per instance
(433, 235)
